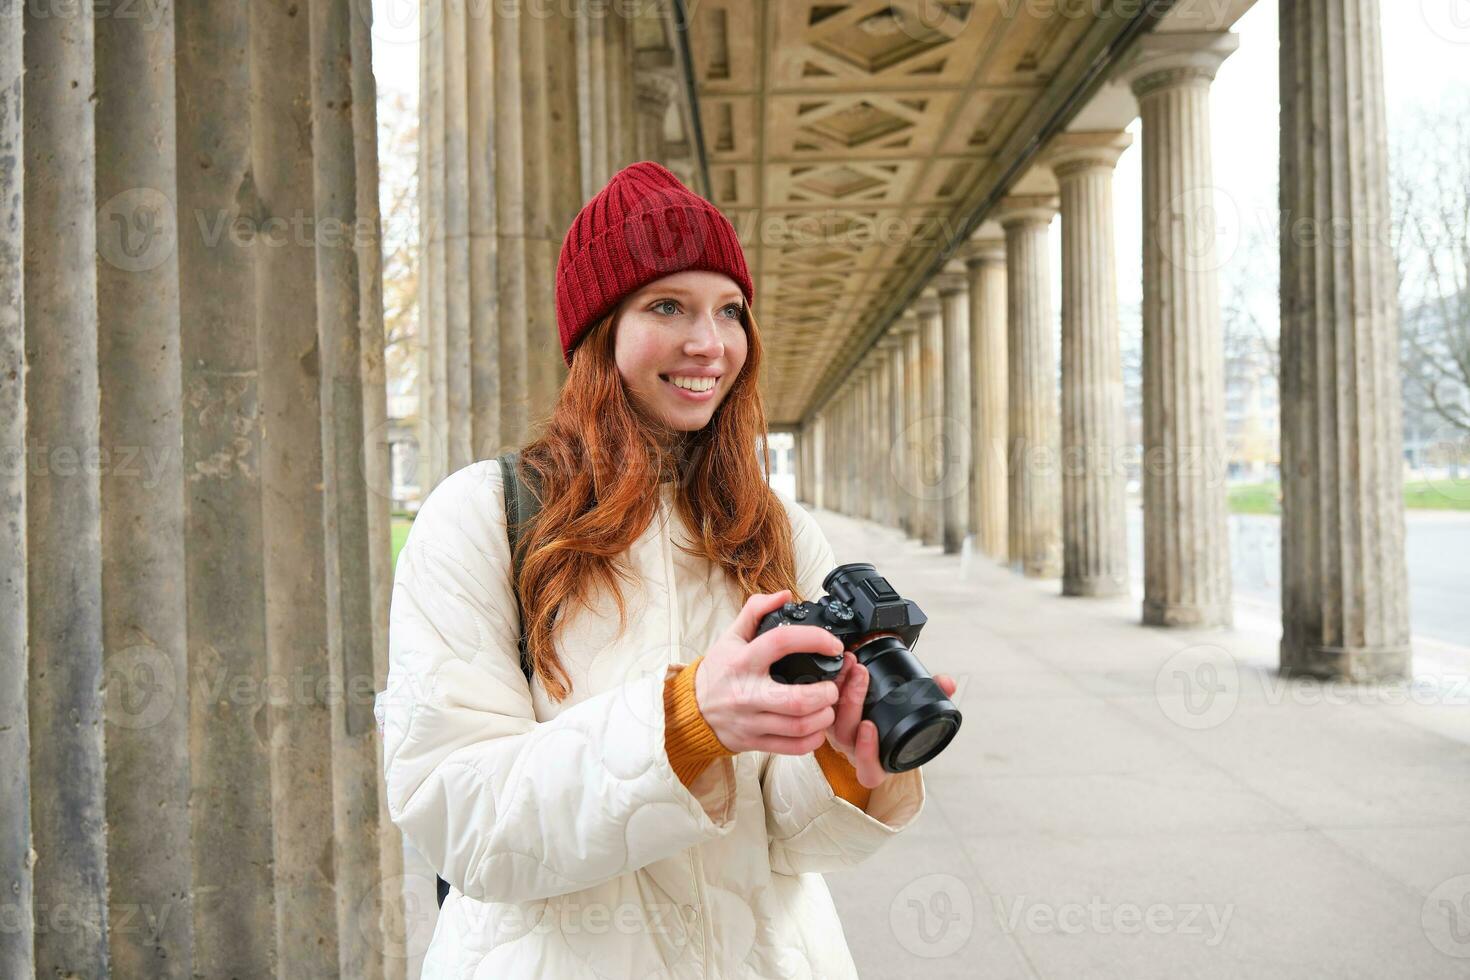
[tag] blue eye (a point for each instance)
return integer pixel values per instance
(737, 308)
(665, 302)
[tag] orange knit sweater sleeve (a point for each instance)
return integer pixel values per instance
(692, 745)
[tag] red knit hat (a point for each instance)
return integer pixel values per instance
(642, 226)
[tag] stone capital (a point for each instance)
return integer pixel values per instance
(1160, 61)
(1026, 209)
(928, 302)
(906, 323)
(1074, 153)
(655, 89)
(980, 251)
(948, 283)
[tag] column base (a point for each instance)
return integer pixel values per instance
(1363, 664)
(1095, 587)
(1037, 569)
(1159, 613)
(953, 546)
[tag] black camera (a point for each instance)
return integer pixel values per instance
(915, 718)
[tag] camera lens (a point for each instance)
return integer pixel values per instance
(914, 717)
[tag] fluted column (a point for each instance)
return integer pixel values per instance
(986, 265)
(819, 461)
(893, 466)
(863, 440)
(433, 408)
(876, 450)
(455, 219)
(552, 181)
(931, 432)
(17, 950)
(144, 623)
(888, 384)
(194, 770)
(63, 497)
(654, 90)
(483, 226)
(954, 292)
(1034, 485)
(511, 223)
(1344, 587)
(914, 428)
(1186, 544)
(1094, 532)
(619, 96)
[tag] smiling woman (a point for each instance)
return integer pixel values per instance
(642, 748)
(681, 341)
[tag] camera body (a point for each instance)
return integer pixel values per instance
(914, 717)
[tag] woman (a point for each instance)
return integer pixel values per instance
(652, 803)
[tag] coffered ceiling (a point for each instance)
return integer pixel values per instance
(852, 144)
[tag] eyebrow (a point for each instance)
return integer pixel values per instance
(680, 291)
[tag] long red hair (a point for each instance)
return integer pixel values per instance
(598, 466)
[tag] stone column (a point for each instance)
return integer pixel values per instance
(17, 950)
(510, 213)
(893, 474)
(1186, 544)
(232, 840)
(1034, 545)
(483, 226)
(619, 96)
(914, 428)
(818, 461)
(549, 108)
(862, 437)
(986, 265)
(63, 497)
(455, 218)
(199, 360)
(1094, 532)
(144, 628)
(386, 910)
(654, 90)
(873, 441)
(954, 292)
(433, 318)
(889, 381)
(930, 444)
(1344, 590)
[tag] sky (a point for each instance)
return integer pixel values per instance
(1426, 49)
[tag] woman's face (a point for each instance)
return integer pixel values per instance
(680, 344)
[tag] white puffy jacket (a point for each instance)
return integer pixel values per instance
(572, 848)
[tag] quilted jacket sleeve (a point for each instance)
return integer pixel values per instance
(810, 827)
(506, 808)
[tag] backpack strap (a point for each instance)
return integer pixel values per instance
(522, 504)
(521, 507)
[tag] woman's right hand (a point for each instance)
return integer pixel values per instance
(749, 710)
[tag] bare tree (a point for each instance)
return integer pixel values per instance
(398, 140)
(1431, 203)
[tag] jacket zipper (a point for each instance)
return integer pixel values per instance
(675, 645)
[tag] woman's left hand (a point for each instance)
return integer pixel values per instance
(850, 734)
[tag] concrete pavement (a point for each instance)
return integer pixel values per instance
(1135, 802)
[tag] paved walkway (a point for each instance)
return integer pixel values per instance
(1133, 802)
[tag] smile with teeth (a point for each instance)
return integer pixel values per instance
(693, 385)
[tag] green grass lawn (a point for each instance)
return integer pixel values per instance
(400, 535)
(1261, 498)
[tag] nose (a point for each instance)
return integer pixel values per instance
(706, 340)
